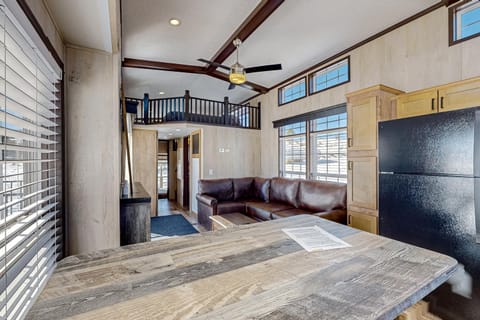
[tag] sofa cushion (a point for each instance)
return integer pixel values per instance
(242, 188)
(284, 190)
(289, 213)
(263, 210)
(320, 196)
(220, 189)
(261, 187)
(230, 207)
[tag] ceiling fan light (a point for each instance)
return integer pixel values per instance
(237, 74)
(237, 78)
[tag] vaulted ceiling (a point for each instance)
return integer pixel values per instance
(297, 34)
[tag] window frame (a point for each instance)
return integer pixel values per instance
(452, 20)
(312, 74)
(307, 118)
(279, 91)
(305, 135)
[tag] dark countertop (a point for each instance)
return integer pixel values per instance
(137, 196)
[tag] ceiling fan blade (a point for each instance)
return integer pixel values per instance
(231, 86)
(218, 65)
(269, 67)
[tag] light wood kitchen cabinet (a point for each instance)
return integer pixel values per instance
(364, 109)
(362, 221)
(362, 182)
(417, 104)
(362, 124)
(459, 95)
(452, 96)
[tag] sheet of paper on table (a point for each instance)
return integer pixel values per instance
(315, 238)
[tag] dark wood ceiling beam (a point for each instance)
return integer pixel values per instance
(163, 66)
(176, 67)
(448, 3)
(253, 21)
(248, 84)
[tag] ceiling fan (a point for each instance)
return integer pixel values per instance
(237, 72)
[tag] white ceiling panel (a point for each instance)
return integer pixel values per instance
(174, 84)
(83, 23)
(205, 26)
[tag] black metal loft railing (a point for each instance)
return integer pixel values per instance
(196, 110)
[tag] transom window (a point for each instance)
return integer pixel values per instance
(292, 91)
(465, 21)
(331, 76)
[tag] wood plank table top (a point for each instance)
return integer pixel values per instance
(254, 271)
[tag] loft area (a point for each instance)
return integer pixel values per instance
(194, 110)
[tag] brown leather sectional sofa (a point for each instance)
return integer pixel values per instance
(267, 199)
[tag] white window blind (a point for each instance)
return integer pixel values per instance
(293, 150)
(328, 148)
(30, 169)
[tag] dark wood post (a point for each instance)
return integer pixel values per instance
(259, 118)
(187, 105)
(225, 109)
(145, 108)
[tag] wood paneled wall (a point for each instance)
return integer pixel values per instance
(145, 143)
(412, 57)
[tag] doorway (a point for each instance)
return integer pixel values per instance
(186, 173)
(162, 169)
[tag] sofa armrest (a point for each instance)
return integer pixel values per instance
(339, 215)
(207, 200)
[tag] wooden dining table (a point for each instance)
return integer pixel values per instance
(253, 271)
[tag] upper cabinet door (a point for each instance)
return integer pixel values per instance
(362, 124)
(459, 95)
(417, 104)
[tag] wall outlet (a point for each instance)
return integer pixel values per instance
(221, 150)
(210, 172)
(227, 150)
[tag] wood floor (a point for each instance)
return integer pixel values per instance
(167, 207)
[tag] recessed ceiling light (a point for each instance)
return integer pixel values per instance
(170, 134)
(161, 92)
(174, 22)
(177, 130)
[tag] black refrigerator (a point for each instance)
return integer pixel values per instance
(429, 196)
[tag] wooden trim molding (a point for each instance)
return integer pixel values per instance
(253, 21)
(36, 25)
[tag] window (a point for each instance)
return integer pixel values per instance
(328, 148)
(30, 169)
(331, 76)
(293, 150)
(464, 21)
(292, 92)
(324, 157)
